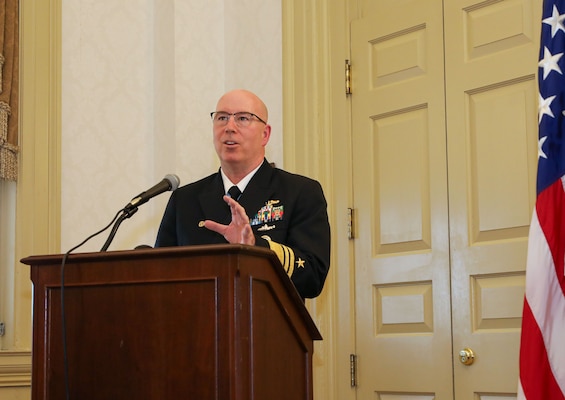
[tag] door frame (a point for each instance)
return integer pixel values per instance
(317, 143)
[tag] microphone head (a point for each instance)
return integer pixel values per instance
(173, 180)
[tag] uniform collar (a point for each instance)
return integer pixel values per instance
(242, 183)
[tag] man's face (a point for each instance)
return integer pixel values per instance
(235, 144)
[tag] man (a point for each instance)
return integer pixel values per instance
(271, 208)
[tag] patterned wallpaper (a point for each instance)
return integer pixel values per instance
(139, 80)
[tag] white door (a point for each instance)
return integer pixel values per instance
(403, 302)
(444, 157)
(491, 91)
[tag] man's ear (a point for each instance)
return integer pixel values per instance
(266, 134)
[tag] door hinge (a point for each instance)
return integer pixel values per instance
(353, 369)
(2, 329)
(351, 223)
(347, 77)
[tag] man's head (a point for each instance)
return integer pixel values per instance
(240, 139)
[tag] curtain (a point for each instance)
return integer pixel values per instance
(9, 67)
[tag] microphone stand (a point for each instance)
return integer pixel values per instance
(126, 213)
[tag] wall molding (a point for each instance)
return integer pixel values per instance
(15, 369)
(38, 188)
(38, 216)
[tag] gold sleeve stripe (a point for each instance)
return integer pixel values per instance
(285, 254)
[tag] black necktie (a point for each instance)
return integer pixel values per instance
(234, 192)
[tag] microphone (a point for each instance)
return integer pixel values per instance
(170, 182)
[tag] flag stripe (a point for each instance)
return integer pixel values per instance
(542, 360)
(544, 279)
(549, 207)
(537, 380)
(546, 303)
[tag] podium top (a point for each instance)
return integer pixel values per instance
(149, 252)
(53, 262)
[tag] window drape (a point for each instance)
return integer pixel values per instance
(9, 68)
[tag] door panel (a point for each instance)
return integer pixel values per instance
(400, 192)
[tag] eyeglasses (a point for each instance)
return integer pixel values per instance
(241, 119)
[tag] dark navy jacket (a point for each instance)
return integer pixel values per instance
(288, 214)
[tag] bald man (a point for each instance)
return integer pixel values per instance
(249, 202)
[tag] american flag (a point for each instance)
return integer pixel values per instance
(542, 347)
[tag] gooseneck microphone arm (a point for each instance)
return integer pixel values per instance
(170, 182)
(126, 213)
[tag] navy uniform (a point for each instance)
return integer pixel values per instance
(287, 212)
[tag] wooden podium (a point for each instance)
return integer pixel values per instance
(203, 322)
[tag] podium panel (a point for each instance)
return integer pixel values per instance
(203, 322)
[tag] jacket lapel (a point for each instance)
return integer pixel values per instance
(212, 202)
(258, 191)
